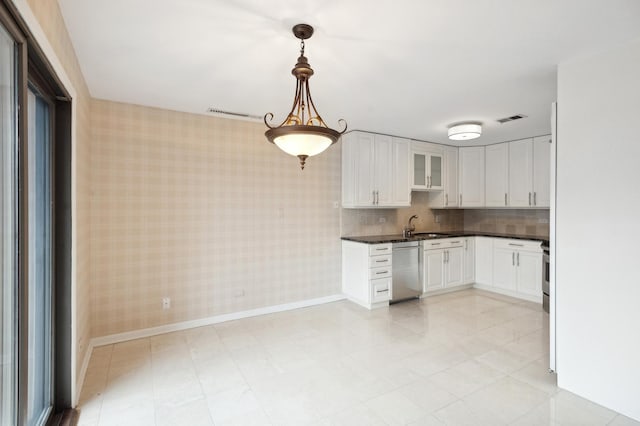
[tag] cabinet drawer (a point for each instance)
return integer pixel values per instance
(435, 244)
(377, 261)
(376, 249)
(528, 245)
(383, 272)
(380, 290)
(455, 242)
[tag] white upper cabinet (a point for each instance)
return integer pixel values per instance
(374, 171)
(471, 172)
(497, 175)
(427, 167)
(541, 171)
(521, 173)
(401, 192)
(448, 197)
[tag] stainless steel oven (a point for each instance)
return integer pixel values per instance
(545, 277)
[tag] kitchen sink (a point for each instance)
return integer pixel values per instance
(430, 234)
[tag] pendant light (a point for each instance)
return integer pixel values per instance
(303, 133)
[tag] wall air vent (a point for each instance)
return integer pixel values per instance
(512, 118)
(233, 114)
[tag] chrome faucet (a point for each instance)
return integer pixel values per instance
(407, 231)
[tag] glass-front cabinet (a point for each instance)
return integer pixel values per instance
(427, 170)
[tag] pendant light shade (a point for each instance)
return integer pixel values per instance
(303, 133)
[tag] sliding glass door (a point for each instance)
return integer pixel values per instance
(34, 116)
(8, 216)
(39, 356)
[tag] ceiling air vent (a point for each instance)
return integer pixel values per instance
(512, 118)
(234, 114)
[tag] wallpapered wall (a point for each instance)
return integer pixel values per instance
(48, 14)
(205, 211)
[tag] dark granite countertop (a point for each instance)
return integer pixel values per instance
(381, 239)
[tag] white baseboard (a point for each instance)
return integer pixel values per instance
(185, 325)
(83, 372)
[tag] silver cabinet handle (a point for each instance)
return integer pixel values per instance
(446, 199)
(513, 258)
(516, 245)
(382, 272)
(535, 202)
(455, 242)
(435, 244)
(382, 261)
(382, 249)
(466, 244)
(429, 180)
(505, 198)
(529, 198)
(460, 200)
(382, 291)
(518, 258)
(373, 194)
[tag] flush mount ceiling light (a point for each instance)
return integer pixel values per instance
(465, 131)
(303, 133)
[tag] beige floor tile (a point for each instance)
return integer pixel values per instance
(194, 413)
(537, 375)
(466, 377)
(506, 400)
(427, 395)
(395, 408)
(340, 364)
(460, 413)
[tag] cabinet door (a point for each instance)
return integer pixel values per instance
(347, 143)
(382, 169)
(433, 270)
(497, 174)
(436, 175)
(451, 177)
(504, 269)
(471, 174)
(419, 169)
(541, 171)
(381, 290)
(484, 260)
(401, 194)
(521, 173)
(454, 266)
(469, 259)
(529, 273)
(363, 151)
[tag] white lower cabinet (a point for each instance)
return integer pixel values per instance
(517, 269)
(469, 260)
(443, 264)
(367, 273)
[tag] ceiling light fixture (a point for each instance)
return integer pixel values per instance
(465, 131)
(303, 133)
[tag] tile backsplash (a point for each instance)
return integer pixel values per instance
(512, 221)
(391, 221)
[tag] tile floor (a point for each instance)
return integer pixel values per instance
(464, 358)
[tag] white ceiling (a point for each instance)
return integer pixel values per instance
(404, 67)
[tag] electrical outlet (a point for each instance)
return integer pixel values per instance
(336, 205)
(166, 303)
(543, 220)
(382, 219)
(436, 218)
(239, 293)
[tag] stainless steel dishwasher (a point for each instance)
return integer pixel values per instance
(406, 265)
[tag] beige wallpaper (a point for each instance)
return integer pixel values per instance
(205, 211)
(48, 14)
